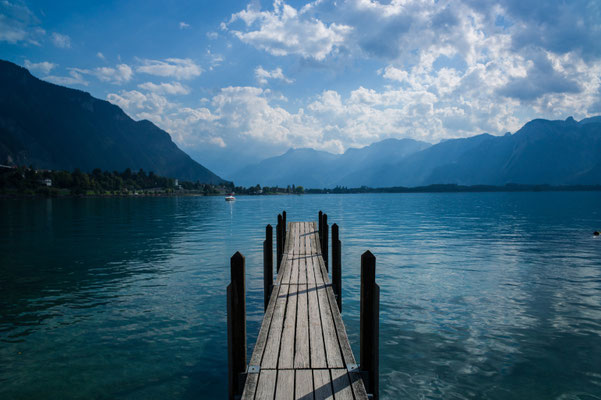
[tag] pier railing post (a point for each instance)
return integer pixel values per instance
(324, 241)
(337, 265)
(268, 264)
(279, 242)
(370, 323)
(236, 326)
(319, 226)
(284, 226)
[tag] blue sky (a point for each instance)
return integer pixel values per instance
(235, 82)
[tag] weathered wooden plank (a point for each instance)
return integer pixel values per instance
(358, 385)
(294, 265)
(323, 384)
(265, 327)
(288, 334)
(304, 385)
(333, 356)
(288, 239)
(302, 352)
(266, 385)
(272, 348)
(341, 384)
(319, 278)
(280, 273)
(285, 385)
(345, 346)
(318, 355)
(250, 387)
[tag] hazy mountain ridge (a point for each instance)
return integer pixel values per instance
(54, 127)
(541, 152)
(314, 168)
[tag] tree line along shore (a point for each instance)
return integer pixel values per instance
(28, 181)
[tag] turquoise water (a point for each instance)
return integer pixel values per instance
(483, 295)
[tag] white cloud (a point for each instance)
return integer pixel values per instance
(101, 56)
(285, 31)
(19, 25)
(394, 74)
(183, 25)
(212, 35)
(75, 78)
(122, 73)
(434, 70)
(165, 88)
(118, 75)
(178, 68)
(60, 40)
(43, 67)
(262, 75)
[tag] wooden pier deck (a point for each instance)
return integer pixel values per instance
(302, 351)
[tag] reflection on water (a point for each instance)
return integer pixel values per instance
(491, 295)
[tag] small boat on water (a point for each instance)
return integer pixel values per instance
(230, 197)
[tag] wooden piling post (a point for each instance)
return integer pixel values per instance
(284, 225)
(236, 326)
(267, 264)
(324, 242)
(370, 323)
(319, 226)
(279, 242)
(337, 265)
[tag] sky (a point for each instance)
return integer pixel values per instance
(236, 82)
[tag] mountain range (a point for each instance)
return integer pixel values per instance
(54, 127)
(318, 169)
(541, 152)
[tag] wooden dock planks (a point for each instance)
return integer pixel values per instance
(302, 351)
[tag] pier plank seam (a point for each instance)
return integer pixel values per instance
(302, 351)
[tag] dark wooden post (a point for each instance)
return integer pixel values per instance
(324, 242)
(319, 223)
(370, 323)
(285, 226)
(279, 240)
(268, 264)
(236, 326)
(337, 265)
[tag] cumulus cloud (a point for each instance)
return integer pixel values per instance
(165, 88)
(264, 75)
(43, 67)
(183, 25)
(178, 68)
(542, 78)
(60, 40)
(101, 56)
(394, 74)
(433, 70)
(74, 78)
(285, 31)
(118, 75)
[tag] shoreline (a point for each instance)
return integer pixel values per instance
(420, 189)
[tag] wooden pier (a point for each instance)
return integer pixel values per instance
(302, 351)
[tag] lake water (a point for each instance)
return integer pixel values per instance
(483, 295)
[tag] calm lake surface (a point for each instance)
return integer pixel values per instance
(483, 295)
